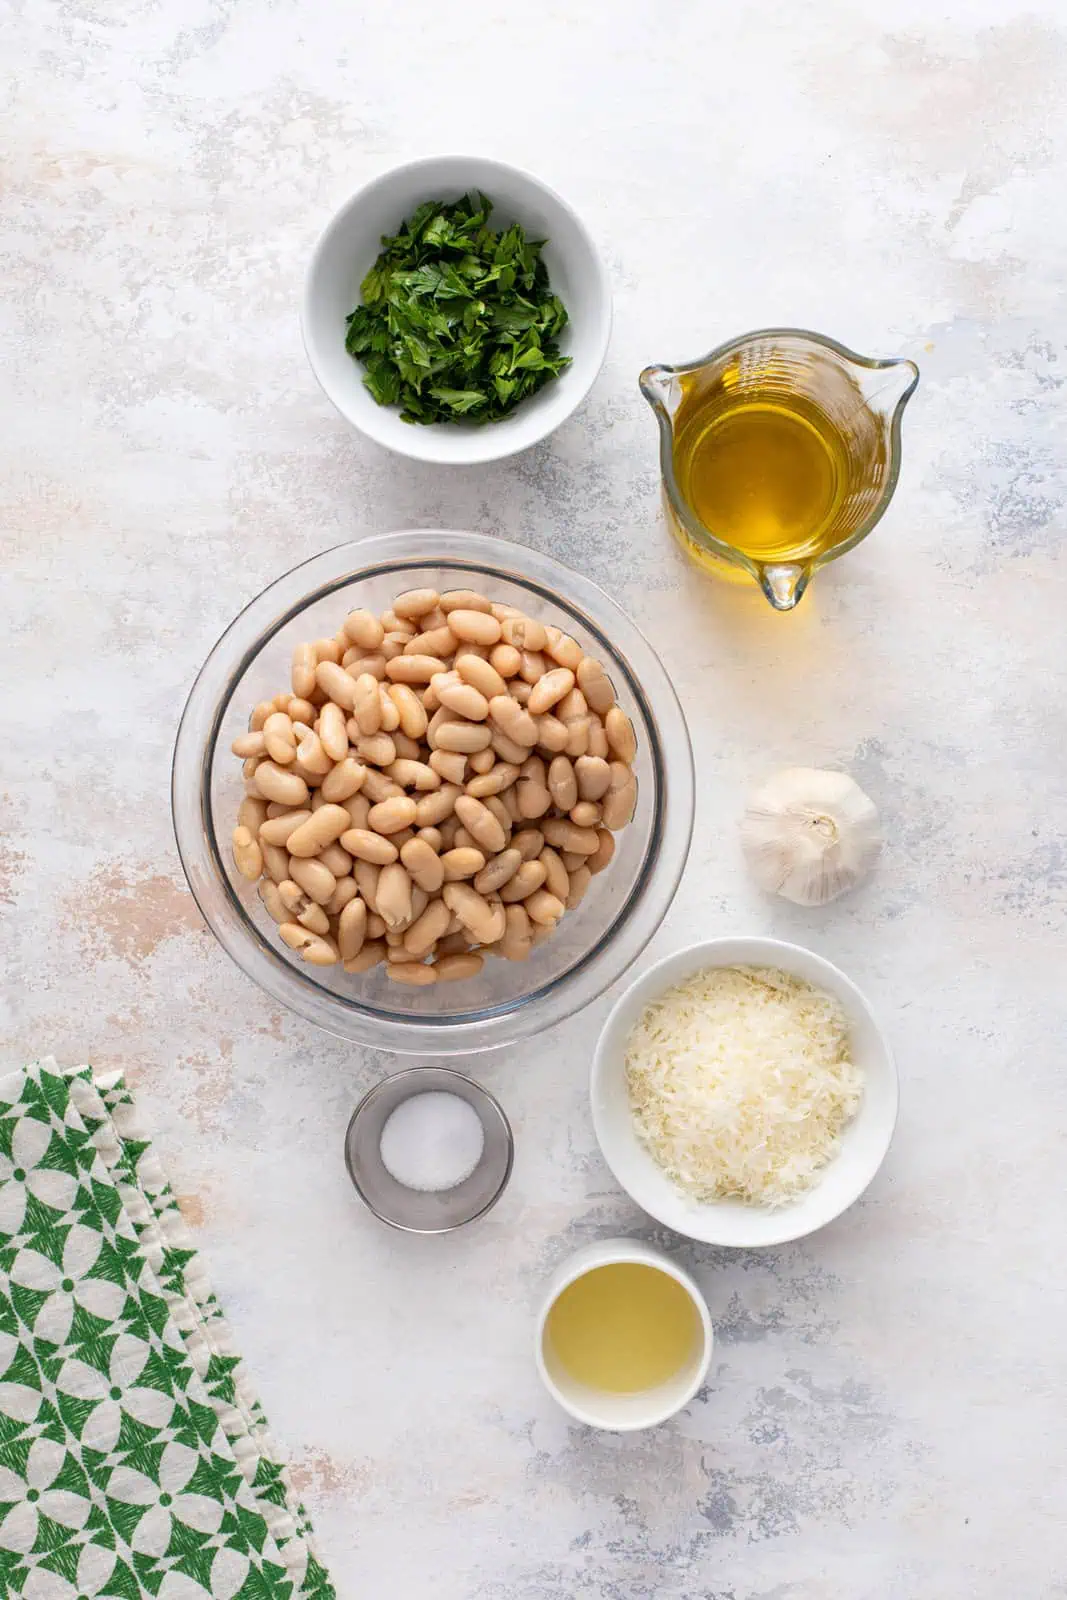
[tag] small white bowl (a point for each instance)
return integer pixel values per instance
(731, 1222)
(349, 247)
(603, 1408)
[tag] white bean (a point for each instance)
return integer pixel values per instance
(491, 733)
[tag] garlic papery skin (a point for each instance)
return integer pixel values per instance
(809, 835)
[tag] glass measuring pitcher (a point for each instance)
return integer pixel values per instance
(779, 452)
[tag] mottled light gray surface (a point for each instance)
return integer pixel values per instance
(885, 1415)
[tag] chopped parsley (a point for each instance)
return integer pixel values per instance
(457, 322)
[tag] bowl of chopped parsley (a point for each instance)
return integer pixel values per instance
(456, 310)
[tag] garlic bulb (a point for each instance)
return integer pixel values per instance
(809, 835)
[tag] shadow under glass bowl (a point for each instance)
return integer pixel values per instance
(592, 946)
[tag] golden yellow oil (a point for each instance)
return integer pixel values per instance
(765, 475)
(623, 1328)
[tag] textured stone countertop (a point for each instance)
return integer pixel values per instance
(885, 1415)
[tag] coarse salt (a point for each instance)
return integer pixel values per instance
(432, 1141)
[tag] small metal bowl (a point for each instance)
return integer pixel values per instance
(416, 1210)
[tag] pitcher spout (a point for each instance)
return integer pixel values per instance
(784, 583)
(887, 386)
(659, 385)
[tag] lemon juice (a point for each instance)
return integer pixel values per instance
(623, 1328)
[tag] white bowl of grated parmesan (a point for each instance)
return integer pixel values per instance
(743, 1092)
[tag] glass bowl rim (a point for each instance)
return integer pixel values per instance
(647, 899)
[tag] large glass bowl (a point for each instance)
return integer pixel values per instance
(592, 946)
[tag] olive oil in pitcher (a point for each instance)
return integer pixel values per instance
(766, 475)
(779, 452)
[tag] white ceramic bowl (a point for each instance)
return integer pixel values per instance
(731, 1222)
(349, 247)
(603, 1408)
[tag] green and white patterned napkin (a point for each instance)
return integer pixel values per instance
(135, 1458)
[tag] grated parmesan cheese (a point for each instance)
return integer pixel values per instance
(740, 1083)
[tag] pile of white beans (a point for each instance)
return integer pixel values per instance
(440, 782)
